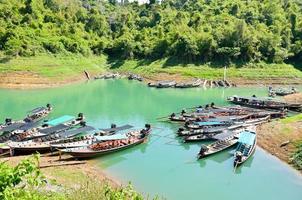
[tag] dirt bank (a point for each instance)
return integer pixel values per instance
(28, 80)
(272, 135)
(25, 80)
(279, 137)
(294, 98)
(67, 175)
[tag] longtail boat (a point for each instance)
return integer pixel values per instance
(222, 143)
(53, 126)
(101, 148)
(31, 120)
(263, 103)
(86, 140)
(245, 148)
(43, 143)
(190, 84)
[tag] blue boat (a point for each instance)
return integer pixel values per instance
(245, 148)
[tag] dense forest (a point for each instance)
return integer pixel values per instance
(192, 30)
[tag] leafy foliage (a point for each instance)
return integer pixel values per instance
(196, 30)
(296, 159)
(17, 181)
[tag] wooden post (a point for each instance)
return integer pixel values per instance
(60, 155)
(87, 74)
(224, 74)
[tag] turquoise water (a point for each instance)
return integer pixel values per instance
(163, 166)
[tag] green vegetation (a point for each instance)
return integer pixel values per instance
(296, 159)
(292, 119)
(208, 71)
(25, 182)
(55, 66)
(203, 35)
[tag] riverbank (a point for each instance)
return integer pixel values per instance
(47, 177)
(55, 70)
(66, 172)
(280, 138)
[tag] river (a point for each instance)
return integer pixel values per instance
(163, 166)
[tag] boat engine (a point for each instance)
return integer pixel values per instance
(48, 106)
(83, 123)
(238, 157)
(180, 130)
(80, 116)
(8, 121)
(113, 125)
(147, 126)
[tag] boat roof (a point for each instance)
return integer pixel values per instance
(77, 131)
(37, 110)
(119, 128)
(60, 120)
(259, 99)
(247, 137)
(223, 135)
(12, 127)
(29, 125)
(111, 137)
(59, 127)
(209, 123)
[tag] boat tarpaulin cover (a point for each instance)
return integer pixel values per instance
(69, 133)
(12, 127)
(224, 135)
(120, 128)
(54, 129)
(29, 125)
(247, 137)
(36, 110)
(60, 120)
(111, 137)
(209, 123)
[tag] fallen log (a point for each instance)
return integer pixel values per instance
(283, 144)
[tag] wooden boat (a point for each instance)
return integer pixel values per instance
(200, 137)
(43, 143)
(282, 91)
(87, 140)
(101, 148)
(162, 84)
(191, 84)
(135, 77)
(207, 124)
(53, 126)
(265, 103)
(223, 142)
(219, 129)
(31, 120)
(245, 148)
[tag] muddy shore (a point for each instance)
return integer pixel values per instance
(28, 80)
(279, 137)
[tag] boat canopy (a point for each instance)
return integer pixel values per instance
(224, 135)
(69, 133)
(247, 137)
(119, 128)
(111, 137)
(37, 110)
(209, 123)
(12, 127)
(60, 120)
(29, 125)
(53, 129)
